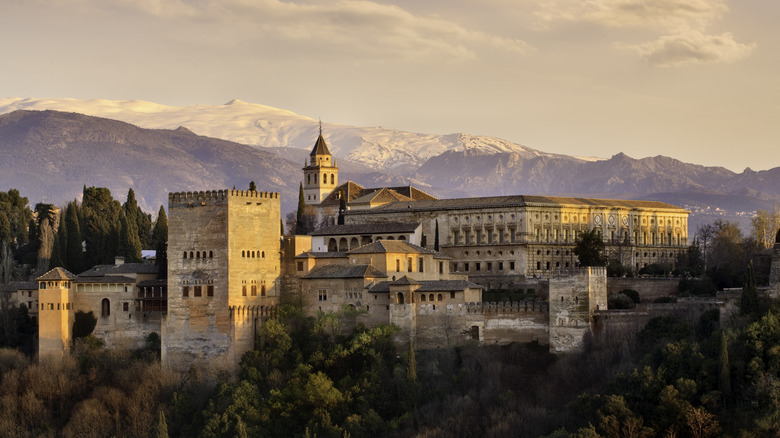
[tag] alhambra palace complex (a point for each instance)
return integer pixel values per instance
(228, 268)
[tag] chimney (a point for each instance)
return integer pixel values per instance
(119, 261)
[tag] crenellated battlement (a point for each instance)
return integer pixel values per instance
(188, 198)
(507, 306)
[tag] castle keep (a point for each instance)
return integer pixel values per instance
(223, 270)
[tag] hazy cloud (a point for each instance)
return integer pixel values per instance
(355, 26)
(690, 48)
(665, 14)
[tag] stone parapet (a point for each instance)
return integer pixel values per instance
(187, 198)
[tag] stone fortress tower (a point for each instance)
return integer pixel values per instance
(223, 271)
(56, 314)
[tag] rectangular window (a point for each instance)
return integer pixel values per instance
(420, 267)
(477, 265)
(468, 238)
(409, 265)
(210, 290)
(452, 295)
(512, 236)
(125, 306)
(500, 266)
(397, 265)
(479, 237)
(455, 238)
(489, 266)
(466, 267)
(441, 267)
(490, 236)
(185, 291)
(322, 295)
(198, 291)
(262, 290)
(243, 290)
(300, 266)
(511, 266)
(254, 290)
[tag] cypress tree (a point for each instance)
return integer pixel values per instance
(129, 244)
(162, 426)
(411, 371)
(301, 211)
(60, 243)
(725, 371)
(749, 302)
(436, 237)
(252, 186)
(160, 243)
(74, 251)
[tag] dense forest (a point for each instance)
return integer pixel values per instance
(327, 377)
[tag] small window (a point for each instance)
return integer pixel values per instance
(243, 290)
(211, 254)
(254, 290)
(198, 291)
(322, 295)
(300, 266)
(105, 307)
(210, 290)
(185, 254)
(185, 291)
(439, 297)
(452, 295)
(125, 307)
(262, 290)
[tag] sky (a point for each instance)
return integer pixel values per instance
(696, 80)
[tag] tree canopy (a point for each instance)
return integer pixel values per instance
(589, 249)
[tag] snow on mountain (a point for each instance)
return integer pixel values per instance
(265, 126)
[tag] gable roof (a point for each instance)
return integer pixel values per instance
(57, 274)
(342, 271)
(383, 195)
(355, 192)
(385, 246)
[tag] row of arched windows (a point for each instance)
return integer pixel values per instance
(199, 254)
(252, 254)
(324, 178)
(430, 297)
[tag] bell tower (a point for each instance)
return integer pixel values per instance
(320, 174)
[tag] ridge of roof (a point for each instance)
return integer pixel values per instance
(57, 274)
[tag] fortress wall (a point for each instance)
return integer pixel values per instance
(649, 288)
(572, 301)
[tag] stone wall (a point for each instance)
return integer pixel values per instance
(648, 288)
(572, 300)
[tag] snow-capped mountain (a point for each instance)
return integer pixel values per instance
(265, 126)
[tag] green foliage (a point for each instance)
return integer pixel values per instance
(252, 186)
(101, 215)
(83, 324)
(162, 426)
(589, 249)
(436, 237)
(662, 329)
(656, 270)
(748, 304)
(631, 293)
(619, 300)
(697, 287)
(74, 249)
(160, 243)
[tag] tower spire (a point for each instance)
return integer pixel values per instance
(320, 125)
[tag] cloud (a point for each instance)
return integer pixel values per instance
(358, 27)
(664, 14)
(692, 47)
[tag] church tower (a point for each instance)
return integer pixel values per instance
(320, 176)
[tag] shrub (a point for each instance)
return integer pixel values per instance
(620, 301)
(631, 293)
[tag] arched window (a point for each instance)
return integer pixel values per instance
(105, 307)
(308, 178)
(400, 298)
(243, 253)
(333, 178)
(439, 298)
(422, 297)
(197, 254)
(192, 255)
(253, 254)
(315, 178)
(430, 297)
(262, 254)
(185, 254)
(211, 254)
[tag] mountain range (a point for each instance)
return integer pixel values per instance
(156, 149)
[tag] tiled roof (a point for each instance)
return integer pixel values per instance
(320, 147)
(355, 193)
(345, 271)
(158, 282)
(14, 286)
(512, 201)
(348, 229)
(125, 268)
(382, 195)
(105, 279)
(323, 255)
(385, 246)
(429, 286)
(57, 274)
(405, 280)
